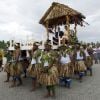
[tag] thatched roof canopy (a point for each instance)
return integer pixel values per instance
(56, 15)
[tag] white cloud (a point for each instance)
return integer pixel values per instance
(19, 18)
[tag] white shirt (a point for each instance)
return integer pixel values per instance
(94, 50)
(65, 60)
(86, 53)
(33, 61)
(46, 64)
(39, 59)
(78, 56)
(4, 61)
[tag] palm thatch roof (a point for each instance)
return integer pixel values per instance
(56, 15)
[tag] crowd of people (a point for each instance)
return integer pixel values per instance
(50, 67)
(96, 50)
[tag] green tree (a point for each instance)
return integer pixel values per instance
(3, 44)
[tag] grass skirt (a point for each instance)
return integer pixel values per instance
(32, 71)
(16, 69)
(88, 62)
(80, 66)
(7, 68)
(49, 78)
(65, 70)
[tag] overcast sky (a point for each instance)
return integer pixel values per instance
(19, 18)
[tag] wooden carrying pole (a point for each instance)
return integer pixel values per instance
(47, 30)
(75, 28)
(68, 24)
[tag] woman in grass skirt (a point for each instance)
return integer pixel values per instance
(35, 66)
(16, 67)
(88, 60)
(79, 61)
(8, 55)
(39, 65)
(49, 73)
(65, 68)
